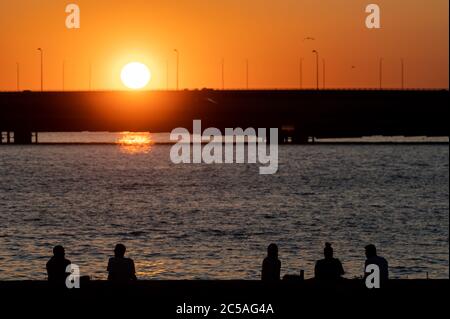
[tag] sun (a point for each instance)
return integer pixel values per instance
(135, 75)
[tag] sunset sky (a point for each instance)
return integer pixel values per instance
(269, 33)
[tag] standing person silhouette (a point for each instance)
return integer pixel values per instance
(374, 259)
(271, 265)
(57, 265)
(329, 268)
(120, 268)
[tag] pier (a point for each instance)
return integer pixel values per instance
(300, 115)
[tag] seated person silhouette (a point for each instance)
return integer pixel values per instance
(329, 268)
(271, 265)
(121, 269)
(56, 266)
(374, 259)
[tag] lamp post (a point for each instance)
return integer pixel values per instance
(300, 74)
(381, 73)
(178, 65)
(403, 74)
(18, 75)
(90, 76)
(42, 68)
(323, 76)
(223, 74)
(167, 75)
(246, 72)
(64, 75)
(317, 68)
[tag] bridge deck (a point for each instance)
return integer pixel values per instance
(300, 113)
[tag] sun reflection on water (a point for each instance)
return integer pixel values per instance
(135, 142)
(149, 269)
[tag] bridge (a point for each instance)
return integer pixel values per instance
(301, 115)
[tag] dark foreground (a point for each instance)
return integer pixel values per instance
(289, 299)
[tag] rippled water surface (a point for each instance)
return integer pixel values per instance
(215, 221)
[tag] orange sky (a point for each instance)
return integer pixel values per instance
(268, 32)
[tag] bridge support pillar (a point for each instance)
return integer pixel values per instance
(282, 137)
(23, 137)
(300, 138)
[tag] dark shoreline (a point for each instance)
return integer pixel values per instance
(346, 284)
(289, 298)
(230, 288)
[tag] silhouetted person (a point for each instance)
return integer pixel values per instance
(121, 269)
(374, 259)
(329, 268)
(271, 265)
(56, 266)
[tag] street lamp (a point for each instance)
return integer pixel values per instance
(317, 68)
(381, 73)
(403, 74)
(300, 74)
(64, 75)
(18, 75)
(90, 76)
(323, 75)
(223, 74)
(167, 75)
(42, 68)
(178, 65)
(246, 72)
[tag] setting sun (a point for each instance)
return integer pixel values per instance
(135, 75)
